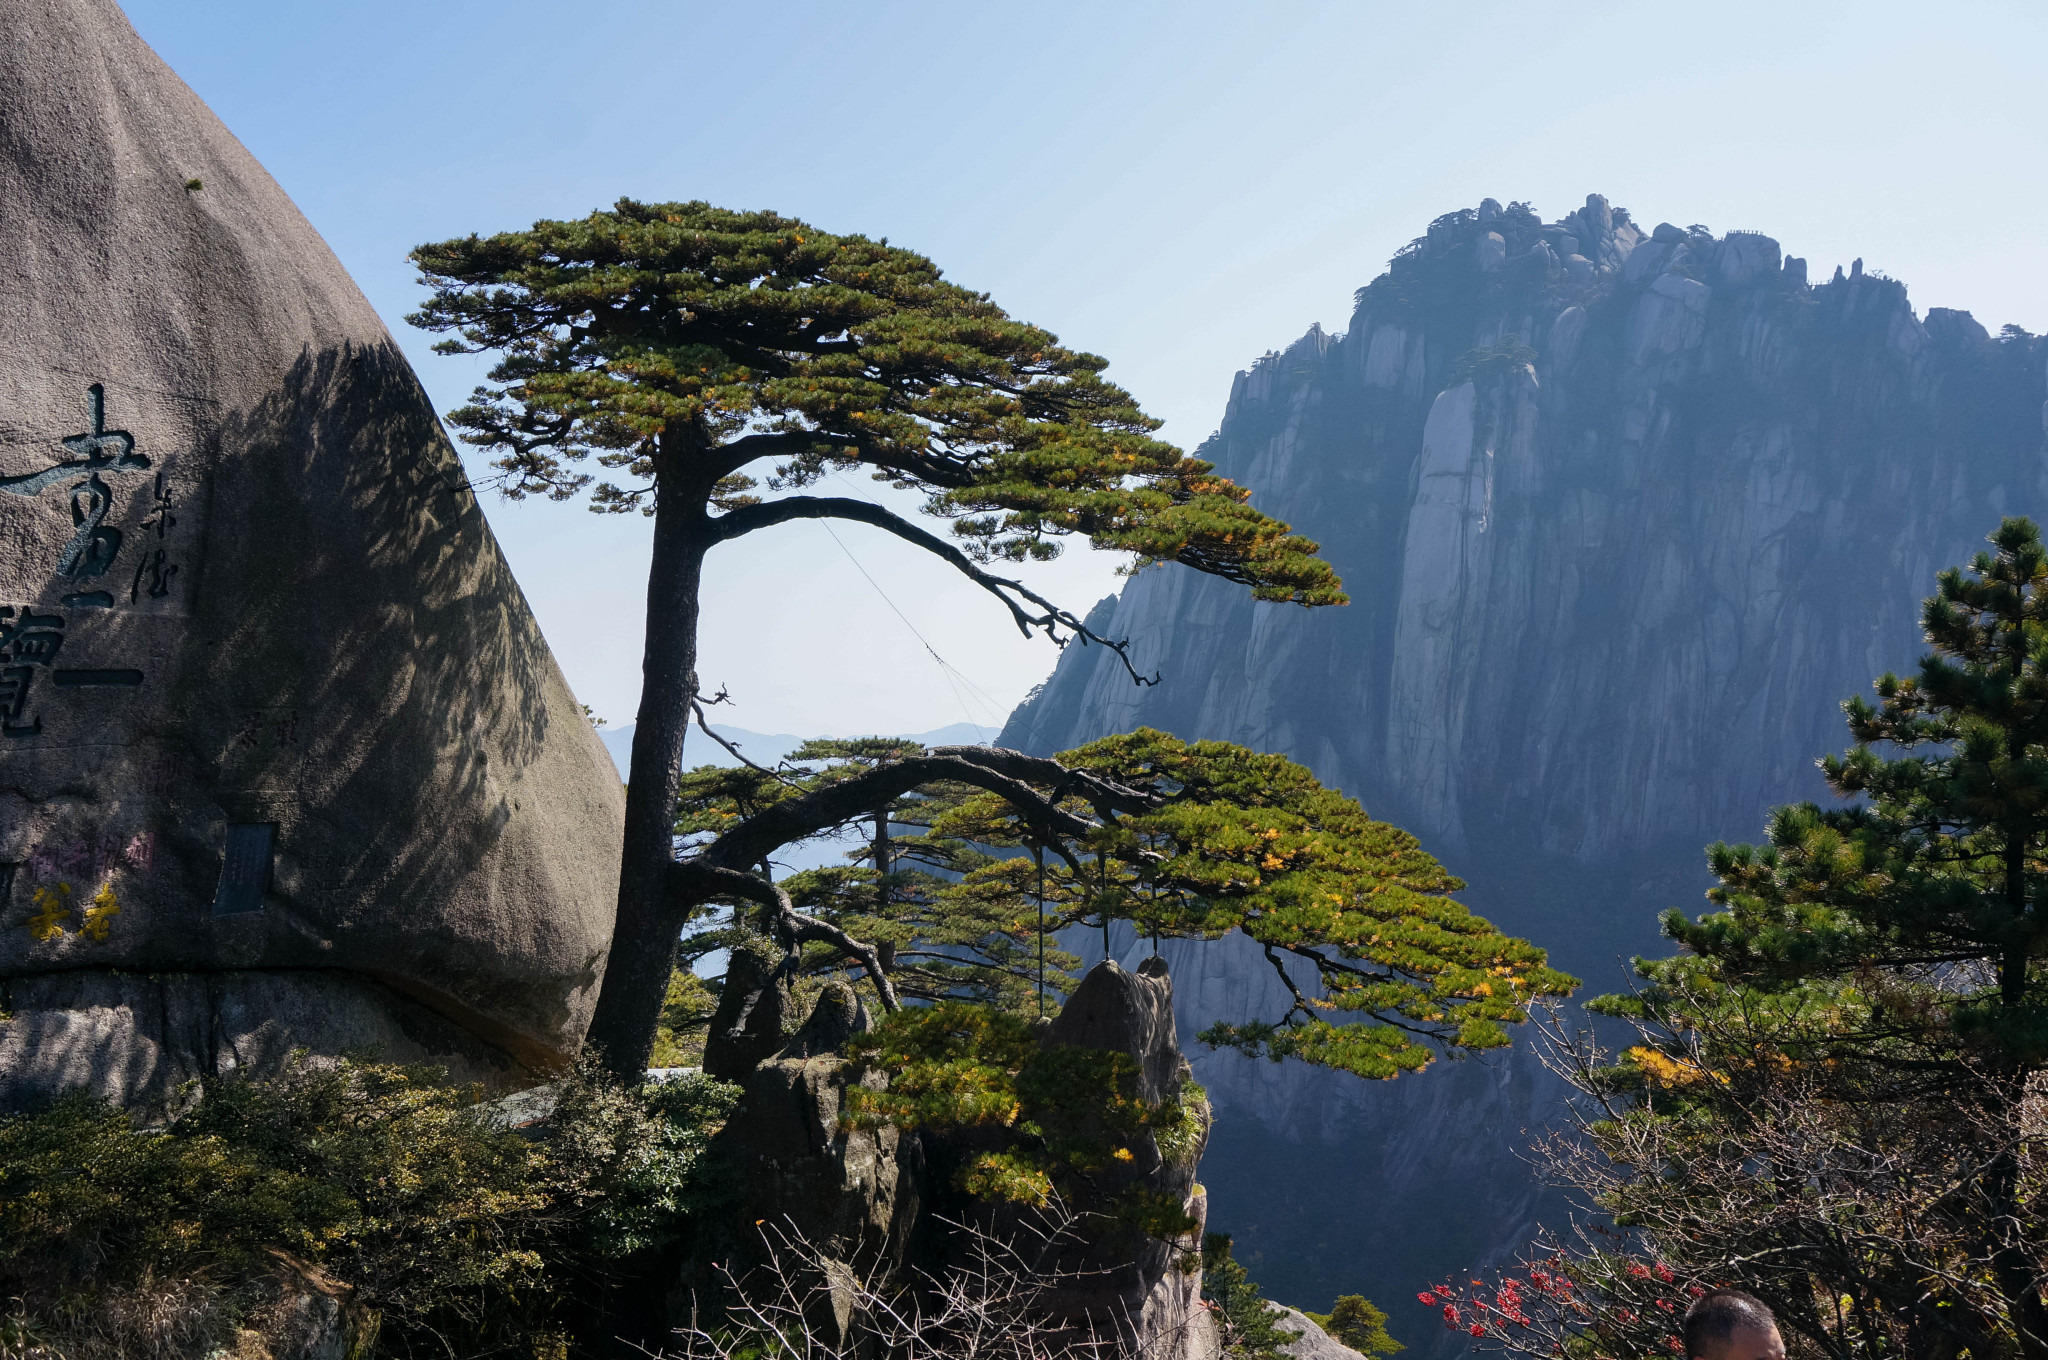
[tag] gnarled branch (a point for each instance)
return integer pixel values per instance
(747, 518)
(693, 881)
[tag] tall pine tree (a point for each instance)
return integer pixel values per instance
(684, 344)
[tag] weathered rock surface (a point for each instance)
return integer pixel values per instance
(1312, 1342)
(1620, 533)
(1133, 1285)
(753, 1016)
(271, 705)
(877, 1204)
(853, 1196)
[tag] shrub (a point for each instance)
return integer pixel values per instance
(440, 1228)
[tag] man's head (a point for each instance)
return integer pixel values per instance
(1728, 1324)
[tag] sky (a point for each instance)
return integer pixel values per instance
(1179, 187)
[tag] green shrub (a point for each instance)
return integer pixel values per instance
(1355, 1322)
(1076, 1124)
(441, 1227)
(1248, 1326)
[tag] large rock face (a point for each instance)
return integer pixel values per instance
(283, 759)
(1624, 516)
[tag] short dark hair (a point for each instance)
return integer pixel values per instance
(1716, 1316)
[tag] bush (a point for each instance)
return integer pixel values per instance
(402, 1197)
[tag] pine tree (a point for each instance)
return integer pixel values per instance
(1894, 948)
(1353, 1321)
(1194, 840)
(683, 344)
(1247, 1325)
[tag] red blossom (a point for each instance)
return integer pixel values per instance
(1450, 1315)
(1664, 1304)
(1674, 1345)
(1664, 1272)
(1477, 1330)
(1426, 1297)
(1695, 1291)
(1638, 1270)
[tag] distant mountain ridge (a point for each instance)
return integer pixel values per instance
(1624, 515)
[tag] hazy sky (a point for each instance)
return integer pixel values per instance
(1179, 187)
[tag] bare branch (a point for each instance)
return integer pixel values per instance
(693, 881)
(748, 518)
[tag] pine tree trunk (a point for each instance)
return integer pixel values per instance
(644, 936)
(2012, 1264)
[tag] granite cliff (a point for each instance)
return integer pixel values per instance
(1624, 514)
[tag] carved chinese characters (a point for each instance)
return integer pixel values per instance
(29, 639)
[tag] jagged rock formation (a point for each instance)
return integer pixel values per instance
(878, 1205)
(1623, 515)
(1139, 1282)
(284, 761)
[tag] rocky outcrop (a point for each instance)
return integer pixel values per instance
(854, 1197)
(1624, 515)
(753, 1016)
(1145, 1290)
(271, 705)
(875, 1208)
(1310, 1341)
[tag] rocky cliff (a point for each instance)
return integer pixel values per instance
(1624, 514)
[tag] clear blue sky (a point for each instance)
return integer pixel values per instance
(1176, 186)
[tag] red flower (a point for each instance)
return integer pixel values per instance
(1426, 1297)
(1638, 1270)
(1695, 1291)
(1664, 1304)
(1477, 1330)
(1664, 1273)
(1450, 1315)
(1674, 1345)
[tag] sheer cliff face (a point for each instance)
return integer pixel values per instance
(1623, 520)
(1623, 515)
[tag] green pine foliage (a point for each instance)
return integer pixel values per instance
(1211, 838)
(1354, 1322)
(685, 1022)
(1247, 1325)
(1872, 995)
(1250, 842)
(941, 939)
(632, 330)
(1073, 1120)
